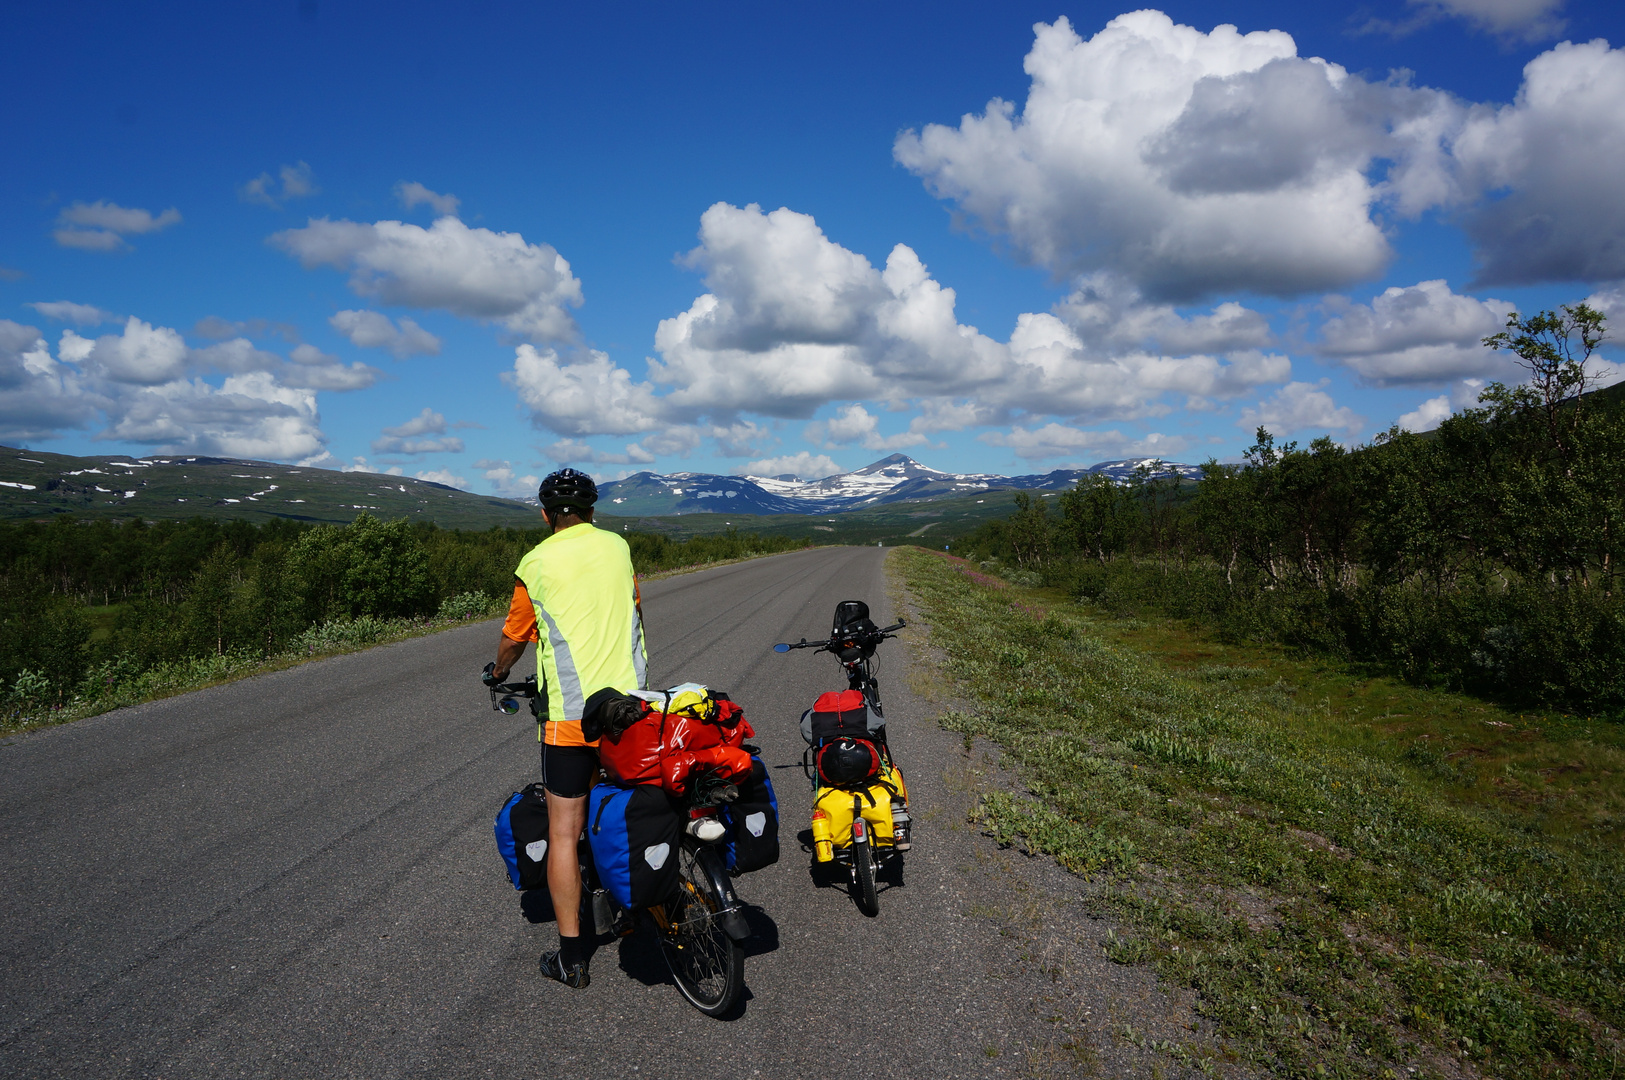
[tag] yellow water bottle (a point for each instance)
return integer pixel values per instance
(820, 830)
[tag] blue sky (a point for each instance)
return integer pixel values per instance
(475, 243)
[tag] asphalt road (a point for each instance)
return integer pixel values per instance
(294, 875)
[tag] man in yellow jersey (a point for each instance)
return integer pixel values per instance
(575, 595)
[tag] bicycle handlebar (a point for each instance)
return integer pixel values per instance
(877, 635)
(504, 695)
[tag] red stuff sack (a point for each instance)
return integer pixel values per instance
(839, 714)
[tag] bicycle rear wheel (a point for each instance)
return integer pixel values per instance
(707, 964)
(863, 865)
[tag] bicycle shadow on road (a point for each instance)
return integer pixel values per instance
(639, 954)
(888, 876)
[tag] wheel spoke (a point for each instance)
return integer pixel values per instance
(707, 965)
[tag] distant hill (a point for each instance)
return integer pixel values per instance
(35, 484)
(873, 502)
(894, 479)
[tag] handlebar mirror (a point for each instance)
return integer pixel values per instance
(781, 647)
(509, 705)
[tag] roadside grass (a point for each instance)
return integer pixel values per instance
(1358, 877)
(116, 683)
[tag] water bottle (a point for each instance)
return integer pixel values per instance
(821, 842)
(900, 822)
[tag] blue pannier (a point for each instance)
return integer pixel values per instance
(634, 833)
(521, 831)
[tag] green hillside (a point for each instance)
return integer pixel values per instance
(36, 484)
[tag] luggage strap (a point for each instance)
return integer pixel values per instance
(603, 804)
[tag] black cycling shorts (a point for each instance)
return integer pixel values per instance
(569, 771)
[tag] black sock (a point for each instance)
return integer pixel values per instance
(571, 951)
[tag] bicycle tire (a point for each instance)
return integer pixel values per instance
(707, 965)
(863, 868)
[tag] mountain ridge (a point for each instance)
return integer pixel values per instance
(38, 484)
(897, 478)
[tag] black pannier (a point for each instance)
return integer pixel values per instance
(752, 820)
(521, 832)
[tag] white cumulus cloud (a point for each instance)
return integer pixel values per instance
(803, 465)
(374, 330)
(148, 387)
(1551, 163)
(39, 396)
(587, 396)
(474, 273)
(143, 354)
(1301, 406)
(1082, 447)
(1434, 411)
(442, 476)
(1428, 415)
(855, 424)
(1420, 334)
(360, 465)
(412, 193)
(1189, 162)
(102, 226)
(793, 322)
(413, 437)
(247, 416)
(1610, 300)
(574, 451)
(213, 326)
(68, 311)
(506, 481)
(297, 182)
(310, 368)
(1531, 20)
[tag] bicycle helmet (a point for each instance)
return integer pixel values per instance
(844, 761)
(567, 488)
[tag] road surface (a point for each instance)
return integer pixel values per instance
(294, 875)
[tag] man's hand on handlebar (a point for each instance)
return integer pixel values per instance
(490, 676)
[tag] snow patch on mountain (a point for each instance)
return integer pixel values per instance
(898, 478)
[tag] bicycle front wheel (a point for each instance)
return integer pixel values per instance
(707, 964)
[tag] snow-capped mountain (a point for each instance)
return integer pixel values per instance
(898, 478)
(1123, 471)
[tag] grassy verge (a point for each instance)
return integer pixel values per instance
(1359, 878)
(117, 683)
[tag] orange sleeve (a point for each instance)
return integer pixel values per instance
(521, 622)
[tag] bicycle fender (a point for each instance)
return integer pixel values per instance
(732, 919)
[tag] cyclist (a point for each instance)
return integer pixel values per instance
(578, 584)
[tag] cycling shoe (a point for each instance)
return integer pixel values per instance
(575, 976)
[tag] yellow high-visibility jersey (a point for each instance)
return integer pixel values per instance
(589, 623)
